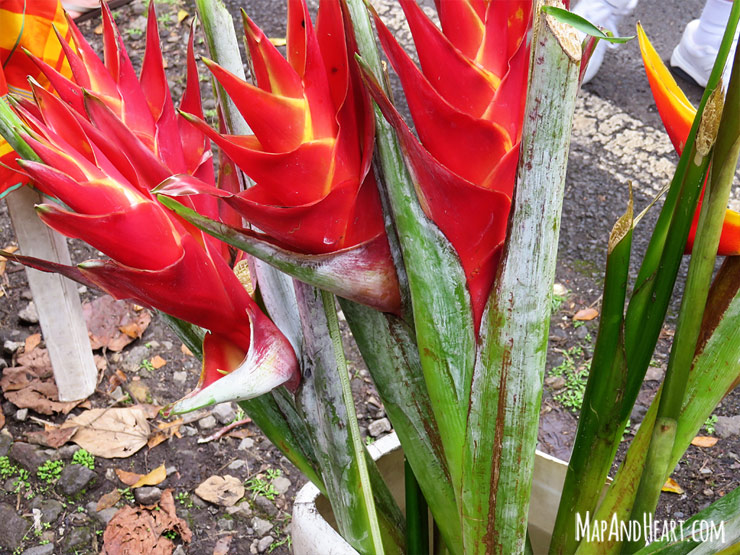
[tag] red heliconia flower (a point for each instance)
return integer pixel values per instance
(678, 114)
(467, 102)
(105, 143)
(310, 154)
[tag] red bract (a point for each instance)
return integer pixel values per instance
(467, 103)
(678, 115)
(311, 150)
(104, 144)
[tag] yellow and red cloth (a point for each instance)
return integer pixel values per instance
(29, 25)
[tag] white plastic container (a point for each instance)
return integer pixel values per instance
(312, 527)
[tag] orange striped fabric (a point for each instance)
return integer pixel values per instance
(28, 24)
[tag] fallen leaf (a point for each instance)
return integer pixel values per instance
(186, 351)
(114, 324)
(3, 261)
(140, 391)
(221, 490)
(31, 384)
(222, 545)
(240, 433)
(134, 480)
(278, 41)
(140, 530)
(2, 420)
(164, 432)
(586, 314)
(32, 341)
(157, 361)
(98, 30)
(118, 378)
(111, 433)
(704, 441)
(107, 500)
(182, 15)
(671, 486)
(52, 436)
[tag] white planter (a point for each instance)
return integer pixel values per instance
(312, 527)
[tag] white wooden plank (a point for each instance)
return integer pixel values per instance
(56, 299)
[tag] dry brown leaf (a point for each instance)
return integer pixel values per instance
(139, 530)
(114, 324)
(31, 384)
(128, 478)
(240, 433)
(157, 361)
(165, 431)
(111, 433)
(31, 342)
(3, 261)
(2, 420)
(134, 480)
(186, 351)
(98, 30)
(140, 391)
(52, 436)
(107, 500)
(221, 490)
(222, 545)
(671, 486)
(704, 441)
(586, 314)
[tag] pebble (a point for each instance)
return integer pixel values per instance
(179, 550)
(558, 335)
(237, 464)
(281, 484)
(654, 374)
(27, 295)
(10, 347)
(188, 430)
(224, 413)
(74, 478)
(240, 510)
(66, 452)
(246, 444)
(79, 538)
(28, 315)
(5, 442)
(132, 359)
(263, 504)
(180, 377)
(555, 382)
(708, 492)
(13, 528)
(261, 527)
(265, 543)
(378, 427)
(46, 549)
(581, 332)
(705, 470)
(167, 345)
(679, 515)
(225, 524)
(117, 394)
(28, 456)
(138, 8)
(147, 495)
(50, 508)
(207, 423)
(104, 516)
(727, 426)
(21, 415)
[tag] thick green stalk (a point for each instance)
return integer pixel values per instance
(501, 433)
(442, 313)
(594, 447)
(388, 348)
(717, 194)
(326, 404)
(417, 514)
(715, 364)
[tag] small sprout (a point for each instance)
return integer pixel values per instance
(84, 458)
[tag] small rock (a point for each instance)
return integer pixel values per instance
(207, 423)
(378, 427)
(79, 538)
(147, 495)
(179, 550)
(678, 515)
(132, 359)
(727, 426)
(26, 295)
(104, 516)
(638, 412)
(237, 465)
(167, 345)
(28, 315)
(46, 549)
(281, 484)
(705, 470)
(261, 527)
(225, 524)
(5, 442)
(74, 478)
(224, 413)
(708, 492)
(138, 8)
(581, 332)
(558, 335)
(265, 543)
(265, 505)
(253, 547)
(559, 289)
(28, 456)
(117, 394)
(110, 475)
(555, 382)
(180, 377)
(654, 374)
(246, 444)
(12, 527)
(10, 347)
(66, 452)
(82, 289)
(240, 510)
(21, 415)
(188, 430)
(50, 508)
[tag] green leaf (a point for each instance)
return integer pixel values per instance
(583, 25)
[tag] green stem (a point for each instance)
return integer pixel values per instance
(417, 514)
(354, 427)
(699, 277)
